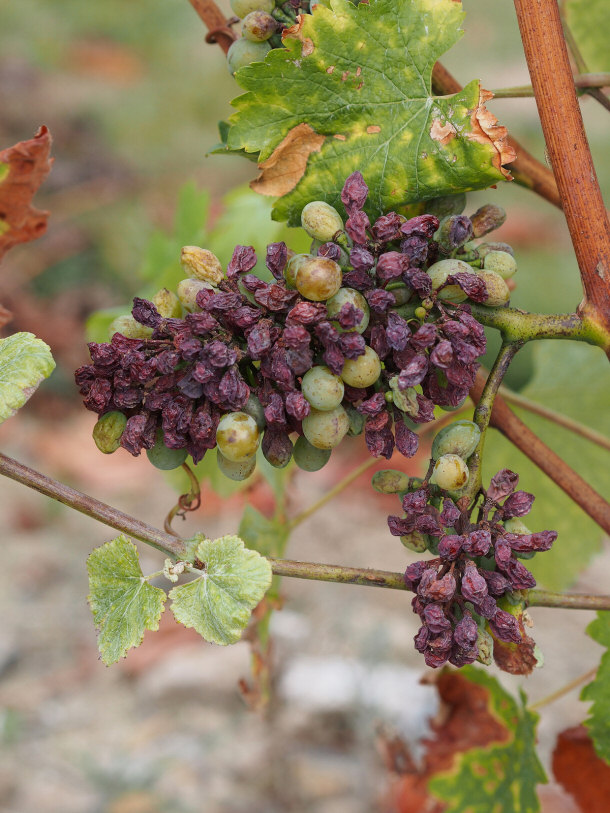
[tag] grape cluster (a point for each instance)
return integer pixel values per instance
(475, 564)
(361, 334)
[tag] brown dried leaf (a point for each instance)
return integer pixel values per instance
(486, 130)
(23, 168)
(286, 165)
(518, 659)
(580, 771)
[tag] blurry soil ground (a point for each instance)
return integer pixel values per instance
(166, 729)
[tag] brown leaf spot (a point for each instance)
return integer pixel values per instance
(358, 71)
(286, 165)
(28, 165)
(344, 75)
(443, 133)
(340, 137)
(581, 772)
(359, 85)
(373, 128)
(295, 32)
(486, 130)
(330, 69)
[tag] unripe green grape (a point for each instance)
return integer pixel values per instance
(415, 541)
(362, 371)
(488, 218)
(108, 430)
(351, 296)
(292, 266)
(255, 409)
(199, 263)
(241, 8)
(127, 326)
(498, 293)
(484, 248)
(237, 436)
(390, 481)
(258, 26)
(167, 304)
(460, 438)
(243, 52)
(187, 290)
(439, 272)
(235, 471)
(308, 457)
(402, 293)
(420, 312)
(318, 279)
(322, 388)
(321, 220)
(163, 458)
(446, 205)
(325, 430)
(356, 421)
(450, 473)
(501, 262)
(449, 408)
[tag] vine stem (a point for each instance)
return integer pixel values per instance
(568, 149)
(513, 428)
(550, 698)
(581, 80)
(168, 544)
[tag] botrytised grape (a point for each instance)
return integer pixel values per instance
(349, 296)
(325, 430)
(200, 263)
(322, 388)
(308, 457)
(362, 371)
(168, 304)
(450, 472)
(258, 26)
(187, 290)
(439, 272)
(127, 326)
(237, 436)
(318, 278)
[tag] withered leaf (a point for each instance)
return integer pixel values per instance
(285, 166)
(580, 771)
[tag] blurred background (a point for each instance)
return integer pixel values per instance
(132, 95)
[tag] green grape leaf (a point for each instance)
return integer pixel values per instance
(502, 775)
(589, 23)
(352, 91)
(123, 604)
(218, 604)
(558, 365)
(598, 691)
(267, 536)
(24, 362)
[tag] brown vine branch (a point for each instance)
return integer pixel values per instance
(513, 428)
(568, 149)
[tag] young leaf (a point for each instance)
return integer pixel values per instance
(24, 362)
(218, 604)
(598, 691)
(123, 604)
(353, 91)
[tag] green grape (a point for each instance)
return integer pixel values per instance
(501, 262)
(321, 220)
(356, 421)
(187, 290)
(450, 473)
(439, 272)
(484, 248)
(363, 371)
(459, 438)
(497, 290)
(258, 26)
(235, 471)
(293, 265)
(449, 408)
(127, 326)
(486, 219)
(402, 293)
(255, 409)
(237, 436)
(325, 430)
(322, 388)
(420, 312)
(485, 644)
(318, 278)
(108, 430)
(243, 52)
(163, 458)
(308, 457)
(168, 304)
(415, 541)
(199, 263)
(241, 8)
(390, 481)
(345, 296)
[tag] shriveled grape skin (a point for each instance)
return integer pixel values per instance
(439, 272)
(459, 438)
(325, 430)
(450, 472)
(237, 436)
(308, 457)
(362, 371)
(322, 388)
(318, 279)
(235, 471)
(258, 26)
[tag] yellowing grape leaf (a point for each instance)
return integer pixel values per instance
(218, 604)
(23, 168)
(598, 691)
(359, 77)
(24, 362)
(123, 604)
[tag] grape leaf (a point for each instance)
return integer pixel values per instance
(580, 771)
(24, 362)
(23, 167)
(267, 536)
(218, 604)
(598, 691)
(123, 604)
(558, 365)
(360, 77)
(589, 23)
